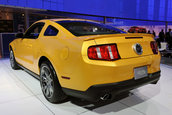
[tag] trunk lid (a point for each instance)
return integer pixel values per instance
(125, 43)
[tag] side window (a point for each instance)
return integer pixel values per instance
(51, 31)
(34, 31)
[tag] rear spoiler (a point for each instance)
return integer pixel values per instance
(126, 36)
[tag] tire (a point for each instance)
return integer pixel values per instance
(13, 62)
(50, 85)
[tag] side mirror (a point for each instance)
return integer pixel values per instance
(19, 35)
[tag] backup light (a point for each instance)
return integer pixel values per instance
(103, 52)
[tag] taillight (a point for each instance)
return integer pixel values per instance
(103, 52)
(154, 47)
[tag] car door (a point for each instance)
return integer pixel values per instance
(28, 42)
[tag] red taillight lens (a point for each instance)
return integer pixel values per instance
(103, 52)
(154, 47)
(92, 53)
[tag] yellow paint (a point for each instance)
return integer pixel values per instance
(68, 55)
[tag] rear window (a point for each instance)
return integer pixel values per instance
(83, 28)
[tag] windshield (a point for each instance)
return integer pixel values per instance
(83, 28)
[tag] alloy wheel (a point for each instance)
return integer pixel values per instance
(46, 82)
(12, 58)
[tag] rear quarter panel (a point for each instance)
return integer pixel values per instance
(63, 51)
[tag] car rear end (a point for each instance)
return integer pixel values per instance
(112, 65)
(110, 61)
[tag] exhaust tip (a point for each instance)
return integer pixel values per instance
(106, 97)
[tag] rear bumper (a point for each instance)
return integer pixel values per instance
(96, 91)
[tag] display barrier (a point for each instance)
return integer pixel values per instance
(5, 39)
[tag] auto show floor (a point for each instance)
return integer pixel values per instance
(20, 94)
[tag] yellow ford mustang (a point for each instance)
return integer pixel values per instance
(85, 59)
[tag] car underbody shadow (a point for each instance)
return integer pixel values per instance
(120, 102)
(93, 105)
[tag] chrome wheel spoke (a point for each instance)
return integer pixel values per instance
(51, 90)
(49, 78)
(44, 88)
(47, 92)
(42, 72)
(46, 73)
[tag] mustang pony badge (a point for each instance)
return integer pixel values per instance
(138, 49)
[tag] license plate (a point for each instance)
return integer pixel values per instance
(140, 72)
